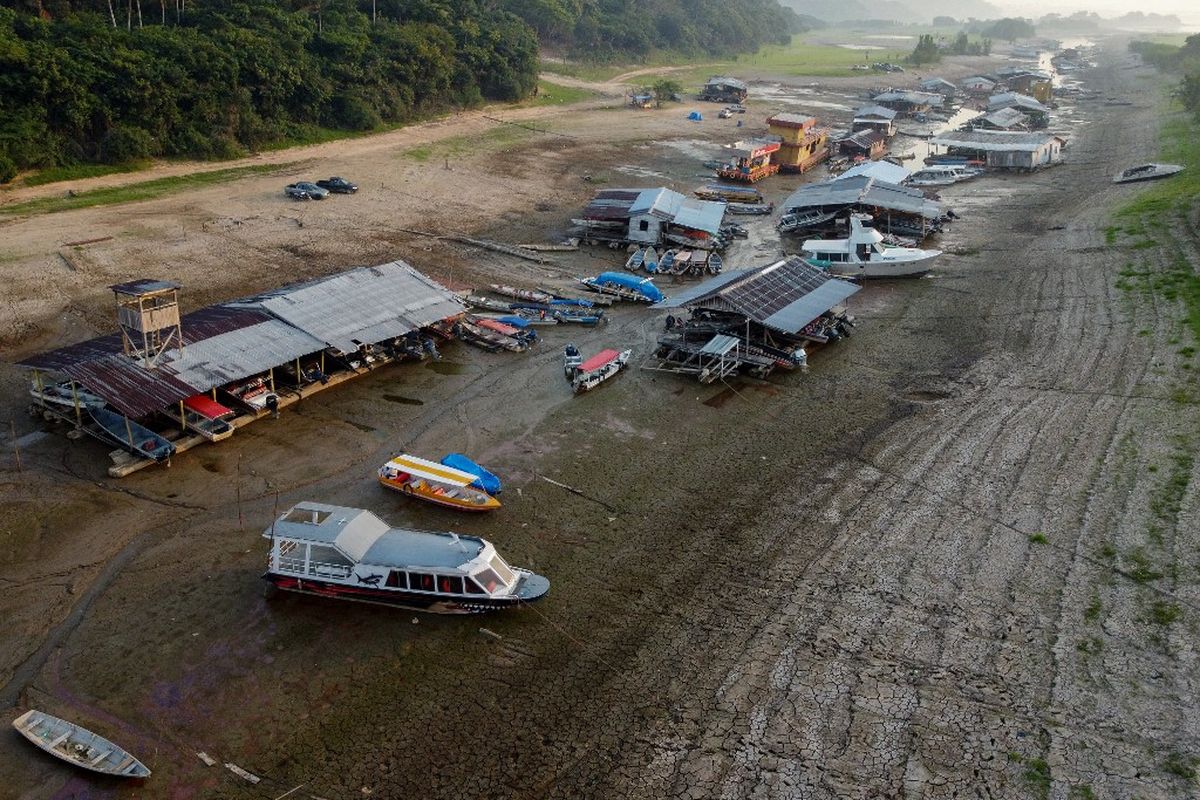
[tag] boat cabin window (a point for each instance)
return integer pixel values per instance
(501, 569)
(420, 582)
(489, 580)
(328, 562)
(397, 579)
(473, 587)
(450, 584)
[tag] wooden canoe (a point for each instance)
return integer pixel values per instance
(78, 746)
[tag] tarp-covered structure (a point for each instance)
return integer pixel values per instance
(239, 339)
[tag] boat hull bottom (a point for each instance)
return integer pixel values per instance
(397, 598)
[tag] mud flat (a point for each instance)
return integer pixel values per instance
(905, 574)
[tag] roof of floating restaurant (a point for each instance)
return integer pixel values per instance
(785, 296)
(228, 342)
(867, 191)
(1000, 141)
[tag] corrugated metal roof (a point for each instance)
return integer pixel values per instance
(611, 204)
(916, 98)
(865, 191)
(863, 139)
(700, 215)
(660, 202)
(142, 285)
(934, 83)
(364, 305)
(785, 295)
(1010, 99)
(719, 345)
(703, 289)
(127, 386)
(882, 112)
(996, 141)
(790, 120)
(1005, 118)
(879, 170)
(236, 354)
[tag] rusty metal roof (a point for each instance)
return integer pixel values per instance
(127, 386)
(144, 285)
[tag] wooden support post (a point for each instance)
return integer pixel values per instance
(128, 430)
(299, 376)
(271, 377)
(182, 419)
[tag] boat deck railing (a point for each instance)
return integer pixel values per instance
(321, 569)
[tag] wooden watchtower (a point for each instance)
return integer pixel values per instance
(148, 314)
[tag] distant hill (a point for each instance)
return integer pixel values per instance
(898, 10)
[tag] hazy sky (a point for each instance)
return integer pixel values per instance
(1189, 12)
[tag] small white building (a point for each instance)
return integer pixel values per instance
(1004, 149)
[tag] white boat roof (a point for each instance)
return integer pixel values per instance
(432, 471)
(366, 539)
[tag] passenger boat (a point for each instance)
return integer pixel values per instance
(436, 483)
(350, 553)
(66, 394)
(624, 286)
(1147, 172)
(204, 416)
(129, 435)
(78, 746)
(532, 295)
(864, 255)
(599, 368)
(484, 478)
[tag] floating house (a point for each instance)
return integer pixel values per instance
(875, 118)
(908, 102)
(863, 144)
(978, 86)
(1036, 84)
(250, 356)
(1006, 119)
(751, 161)
(939, 86)
(1039, 115)
(802, 146)
(721, 89)
(1004, 149)
(896, 209)
(754, 320)
(651, 217)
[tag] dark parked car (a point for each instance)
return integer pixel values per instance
(314, 191)
(338, 185)
(296, 193)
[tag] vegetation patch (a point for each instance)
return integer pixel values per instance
(1181, 766)
(146, 190)
(78, 172)
(1164, 613)
(553, 94)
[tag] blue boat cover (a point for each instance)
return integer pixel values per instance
(484, 480)
(643, 286)
(516, 322)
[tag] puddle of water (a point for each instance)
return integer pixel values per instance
(890, 37)
(408, 401)
(446, 367)
(861, 46)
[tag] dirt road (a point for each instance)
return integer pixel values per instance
(941, 564)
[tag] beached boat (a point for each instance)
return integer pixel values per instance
(129, 435)
(487, 303)
(485, 479)
(580, 316)
(624, 286)
(636, 259)
(78, 746)
(864, 254)
(942, 175)
(66, 394)
(473, 333)
(714, 264)
(572, 360)
(520, 320)
(651, 262)
(599, 368)
(519, 332)
(750, 209)
(799, 220)
(666, 264)
(722, 192)
(204, 416)
(595, 301)
(351, 554)
(435, 483)
(532, 295)
(1147, 172)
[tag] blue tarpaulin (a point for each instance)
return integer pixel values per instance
(641, 285)
(695, 116)
(485, 480)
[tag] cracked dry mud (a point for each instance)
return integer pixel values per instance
(903, 575)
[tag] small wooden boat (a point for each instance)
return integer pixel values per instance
(66, 394)
(363, 558)
(1147, 172)
(479, 335)
(750, 209)
(205, 416)
(78, 746)
(558, 295)
(636, 259)
(519, 332)
(724, 192)
(487, 303)
(651, 262)
(715, 264)
(799, 220)
(572, 360)
(435, 483)
(666, 264)
(521, 320)
(131, 436)
(599, 368)
(579, 316)
(521, 294)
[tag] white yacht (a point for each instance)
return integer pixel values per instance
(864, 255)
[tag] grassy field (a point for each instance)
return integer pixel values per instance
(551, 94)
(80, 171)
(146, 190)
(456, 147)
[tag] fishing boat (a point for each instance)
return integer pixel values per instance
(580, 316)
(435, 483)
(520, 320)
(636, 259)
(78, 746)
(809, 218)
(595, 301)
(519, 332)
(485, 479)
(723, 192)
(205, 416)
(864, 254)
(624, 286)
(714, 264)
(532, 295)
(1147, 172)
(666, 264)
(599, 368)
(487, 303)
(351, 554)
(651, 262)
(129, 435)
(479, 335)
(750, 209)
(66, 394)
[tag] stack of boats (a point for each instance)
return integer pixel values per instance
(522, 308)
(676, 261)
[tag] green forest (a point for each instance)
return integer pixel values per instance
(112, 81)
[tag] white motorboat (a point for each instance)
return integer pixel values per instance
(1147, 172)
(66, 394)
(942, 175)
(864, 254)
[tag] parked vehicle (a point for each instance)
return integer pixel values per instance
(296, 193)
(338, 185)
(311, 189)
(725, 114)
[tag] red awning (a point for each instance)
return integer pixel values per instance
(206, 407)
(599, 360)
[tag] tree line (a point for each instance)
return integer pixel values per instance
(1184, 61)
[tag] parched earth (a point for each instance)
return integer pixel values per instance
(956, 559)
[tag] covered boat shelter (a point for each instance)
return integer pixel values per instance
(897, 209)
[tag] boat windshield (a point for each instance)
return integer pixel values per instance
(496, 575)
